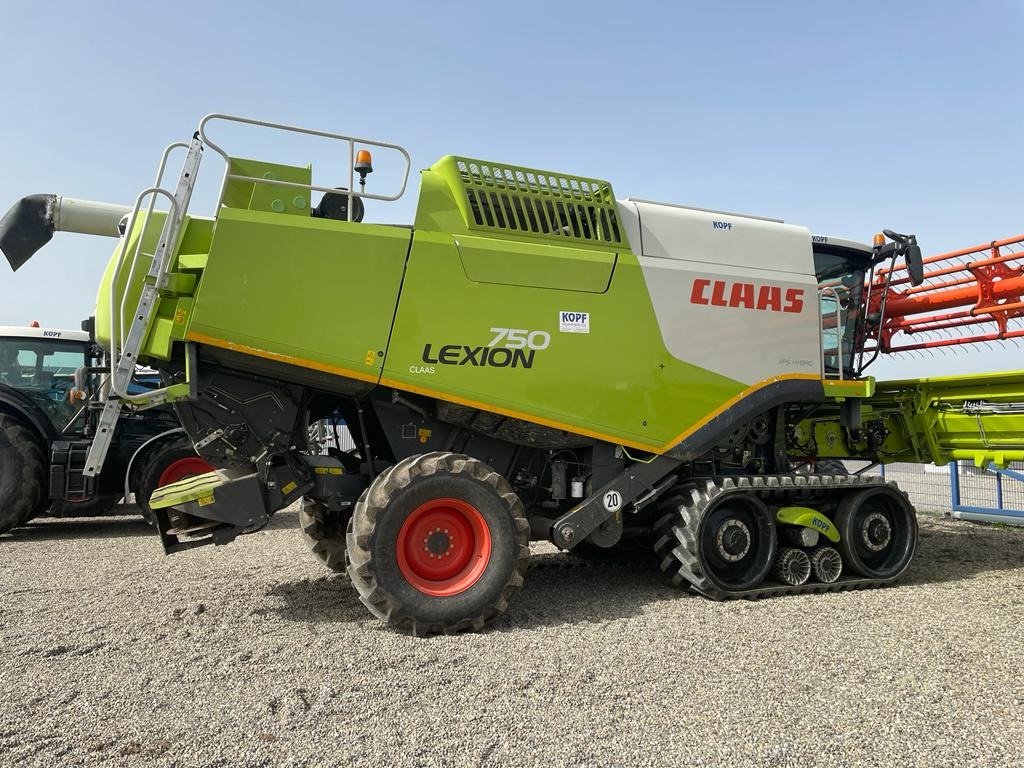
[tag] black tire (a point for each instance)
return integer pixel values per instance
(824, 467)
(381, 564)
(324, 532)
(830, 467)
(721, 547)
(156, 460)
(92, 508)
(878, 532)
(23, 491)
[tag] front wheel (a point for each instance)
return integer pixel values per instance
(438, 543)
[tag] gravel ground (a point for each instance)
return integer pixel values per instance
(112, 654)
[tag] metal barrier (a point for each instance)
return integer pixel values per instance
(989, 495)
(351, 142)
(964, 491)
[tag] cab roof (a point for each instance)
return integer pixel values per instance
(27, 332)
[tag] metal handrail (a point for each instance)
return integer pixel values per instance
(117, 313)
(840, 329)
(350, 140)
(130, 227)
(115, 317)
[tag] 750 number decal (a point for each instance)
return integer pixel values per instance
(520, 338)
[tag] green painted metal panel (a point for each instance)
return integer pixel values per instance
(275, 198)
(198, 488)
(460, 194)
(976, 417)
(318, 290)
(808, 518)
(487, 260)
(617, 379)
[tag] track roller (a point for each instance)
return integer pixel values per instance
(792, 566)
(827, 564)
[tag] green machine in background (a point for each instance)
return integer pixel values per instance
(532, 359)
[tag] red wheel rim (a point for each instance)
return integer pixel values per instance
(444, 547)
(190, 466)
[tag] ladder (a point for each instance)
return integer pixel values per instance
(124, 356)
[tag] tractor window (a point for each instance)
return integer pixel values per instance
(40, 364)
(840, 287)
(44, 370)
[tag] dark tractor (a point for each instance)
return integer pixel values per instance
(51, 390)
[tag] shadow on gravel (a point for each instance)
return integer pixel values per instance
(562, 588)
(123, 522)
(52, 528)
(959, 552)
(559, 589)
(329, 599)
(567, 589)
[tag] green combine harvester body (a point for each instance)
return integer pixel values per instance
(533, 358)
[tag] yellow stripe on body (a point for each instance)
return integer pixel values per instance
(524, 416)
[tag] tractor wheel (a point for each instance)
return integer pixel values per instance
(96, 507)
(878, 532)
(324, 532)
(22, 475)
(168, 462)
(438, 543)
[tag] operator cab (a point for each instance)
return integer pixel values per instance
(840, 267)
(40, 363)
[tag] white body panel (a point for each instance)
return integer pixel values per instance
(733, 294)
(25, 332)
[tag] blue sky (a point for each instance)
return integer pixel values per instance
(843, 117)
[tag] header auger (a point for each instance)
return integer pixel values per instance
(532, 359)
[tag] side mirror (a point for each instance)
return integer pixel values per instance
(915, 264)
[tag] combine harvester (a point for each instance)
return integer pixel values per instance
(535, 358)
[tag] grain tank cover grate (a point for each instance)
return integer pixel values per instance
(528, 201)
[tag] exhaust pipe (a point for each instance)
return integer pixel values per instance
(31, 222)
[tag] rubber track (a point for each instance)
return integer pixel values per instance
(676, 543)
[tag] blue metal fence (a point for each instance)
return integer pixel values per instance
(964, 491)
(996, 495)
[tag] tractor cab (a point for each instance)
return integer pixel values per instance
(39, 364)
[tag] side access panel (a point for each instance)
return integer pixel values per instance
(314, 293)
(564, 355)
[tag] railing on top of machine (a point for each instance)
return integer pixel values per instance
(824, 292)
(352, 141)
(159, 268)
